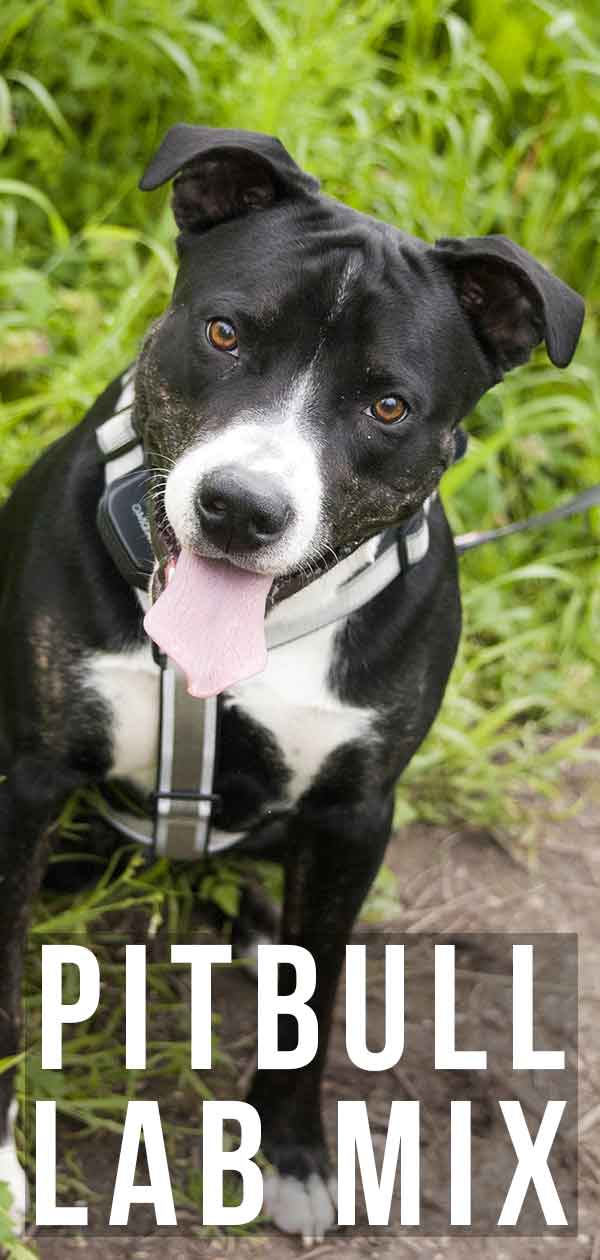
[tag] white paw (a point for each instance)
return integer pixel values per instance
(301, 1207)
(13, 1175)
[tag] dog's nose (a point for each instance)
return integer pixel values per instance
(240, 510)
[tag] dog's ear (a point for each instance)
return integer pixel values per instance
(222, 174)
(513, 303)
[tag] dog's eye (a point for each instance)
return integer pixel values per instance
(390, 410)
(222, 335)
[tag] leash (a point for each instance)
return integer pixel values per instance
(579, 503)
(178, 824)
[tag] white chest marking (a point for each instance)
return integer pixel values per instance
(294, 701)
(127, 682)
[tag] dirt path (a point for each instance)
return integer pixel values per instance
(450, 883)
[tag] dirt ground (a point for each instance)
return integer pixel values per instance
(456, 883)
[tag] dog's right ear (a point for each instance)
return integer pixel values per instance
(222, 174)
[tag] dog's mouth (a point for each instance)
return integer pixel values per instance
(208, 613)
(167, 550)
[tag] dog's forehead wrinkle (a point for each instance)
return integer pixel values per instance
(351, 270)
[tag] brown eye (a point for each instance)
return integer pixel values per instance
(222, 335)
(389, 410)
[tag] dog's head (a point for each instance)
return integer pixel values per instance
(302, 390)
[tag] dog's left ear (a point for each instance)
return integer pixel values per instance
(223, 174)
(513, 303)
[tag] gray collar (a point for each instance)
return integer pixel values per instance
(350, 584)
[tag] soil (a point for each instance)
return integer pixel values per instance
(448, 883)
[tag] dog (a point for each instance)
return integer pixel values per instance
(299, 399)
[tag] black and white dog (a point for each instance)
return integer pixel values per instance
(300, 396)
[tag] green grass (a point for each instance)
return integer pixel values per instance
(444, 118)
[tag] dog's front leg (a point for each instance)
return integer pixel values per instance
(336, 853)
(29, 801)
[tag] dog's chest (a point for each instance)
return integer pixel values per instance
(295, 702)
(288, 718)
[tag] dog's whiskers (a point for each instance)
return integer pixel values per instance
(161, 458)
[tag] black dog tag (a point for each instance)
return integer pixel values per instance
(124, 527)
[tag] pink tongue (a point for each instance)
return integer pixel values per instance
(210, 619)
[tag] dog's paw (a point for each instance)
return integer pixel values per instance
(13, 1176)
(306, 1207)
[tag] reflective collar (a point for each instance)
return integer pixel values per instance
(373, 566)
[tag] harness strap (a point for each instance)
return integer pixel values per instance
(117, 439)
(398, 551)
(188, 742)
(179, 825)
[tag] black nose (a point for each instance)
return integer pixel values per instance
(240, 510)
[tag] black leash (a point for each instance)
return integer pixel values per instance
(580, 503)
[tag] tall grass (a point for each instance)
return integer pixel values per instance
(442, 116)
